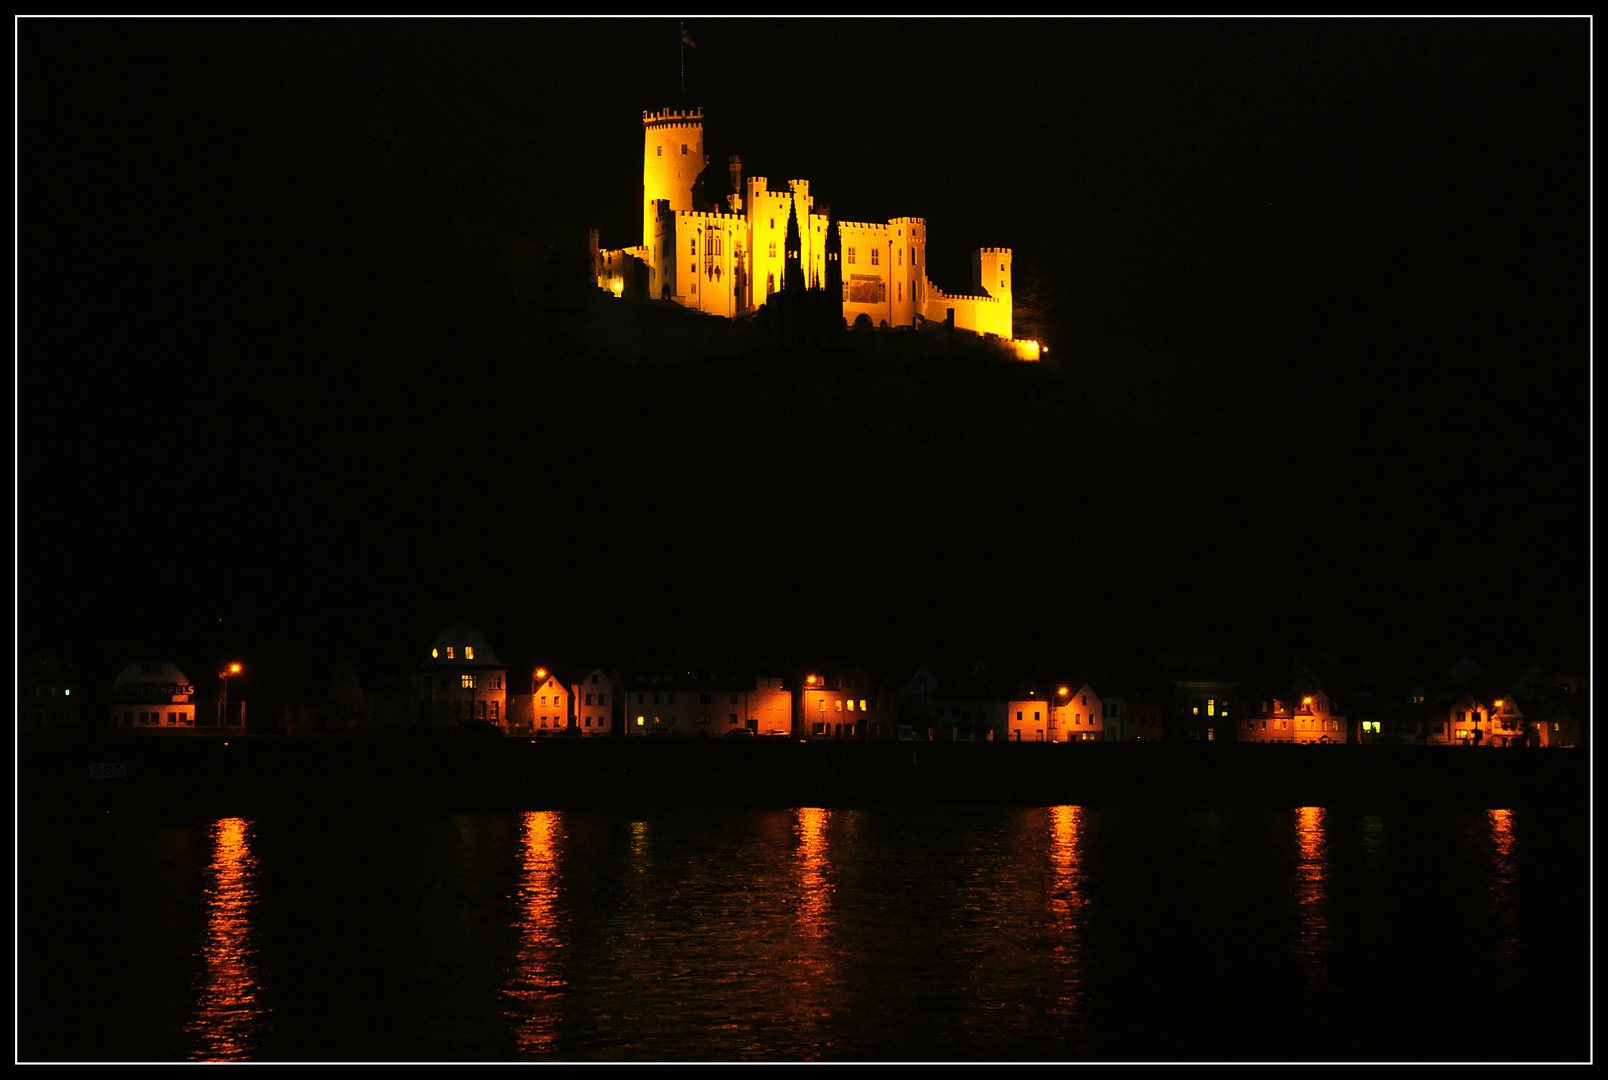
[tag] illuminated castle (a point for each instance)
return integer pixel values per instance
(729, 261)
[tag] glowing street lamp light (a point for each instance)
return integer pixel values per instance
(223, 703)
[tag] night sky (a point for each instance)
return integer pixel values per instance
(1316, 295)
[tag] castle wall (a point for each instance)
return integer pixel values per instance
(766, 212)
(908, 274)
(867, 271)
(705, 247)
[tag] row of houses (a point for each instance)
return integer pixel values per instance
(461, 683)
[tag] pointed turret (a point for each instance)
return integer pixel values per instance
(833, 285)
(793, 269)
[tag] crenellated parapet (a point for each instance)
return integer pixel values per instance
(672, 118)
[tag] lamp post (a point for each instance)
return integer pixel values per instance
(223, 704)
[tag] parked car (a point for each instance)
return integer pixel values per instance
(739, 733)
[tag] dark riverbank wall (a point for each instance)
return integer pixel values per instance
(253, 776)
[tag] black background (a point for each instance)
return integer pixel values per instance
(1315, 292)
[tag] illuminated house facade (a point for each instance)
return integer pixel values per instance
(592, 701)
(153, 697)
(464, 680)
(1079, 716)
(730, 260)
(848, 704)
(1028, 716)
(1042, 713)
(1553, 724)
(656, 701)
(550, 711)
(1307, 718)
(1468, 721)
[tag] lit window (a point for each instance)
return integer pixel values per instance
(449, 652)
(434, 653)
(862, 704)
(468, 682)
(468, 652)
(851, 704)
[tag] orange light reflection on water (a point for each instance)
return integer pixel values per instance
(815, 892)
(1067, 902)
(537, 992)
(228, 1016)
(813, 962)
(1311, 893)
(1501, 888)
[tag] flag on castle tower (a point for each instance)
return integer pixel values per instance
(686, 38)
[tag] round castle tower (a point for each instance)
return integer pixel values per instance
(672, 158)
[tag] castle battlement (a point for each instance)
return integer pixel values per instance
(994, 251)
(971, 298)
(882, 225)
(672, 118)
(711, 216)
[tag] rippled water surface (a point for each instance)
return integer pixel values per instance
(1059, 933)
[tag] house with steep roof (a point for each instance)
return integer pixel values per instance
(152, 696)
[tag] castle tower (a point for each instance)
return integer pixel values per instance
(672, 158)
(909, 255)
(991, 271)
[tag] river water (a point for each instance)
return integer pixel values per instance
(1059, 933)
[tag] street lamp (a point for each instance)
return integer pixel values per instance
(223, 705)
